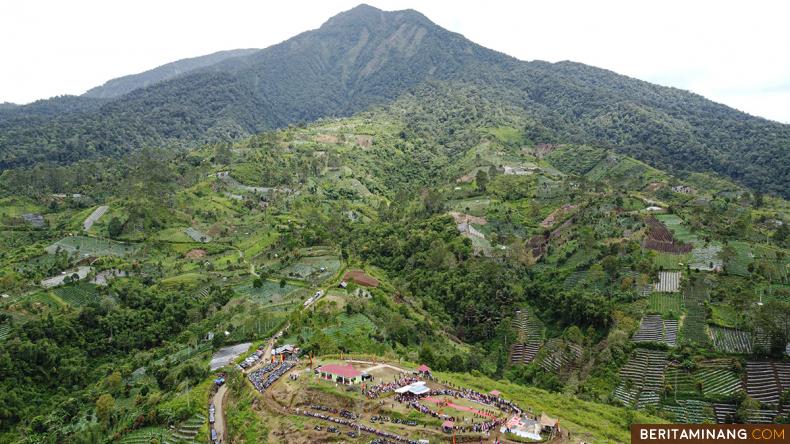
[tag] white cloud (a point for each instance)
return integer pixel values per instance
(731, 52)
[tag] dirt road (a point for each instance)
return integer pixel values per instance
(219, 412)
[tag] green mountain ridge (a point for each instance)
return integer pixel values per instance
(366, 57)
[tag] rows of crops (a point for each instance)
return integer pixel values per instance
(694, 325)
(642, 378)
(269, 293)
(315, 269)
(77, 294)
(670, 261)
(731, 340)
(668, 282)
(5, 330)
(691, 411)
(197, 236)
(89, 246)
(718, 381)
(665, 303)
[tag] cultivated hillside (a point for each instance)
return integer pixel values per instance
(365, 57)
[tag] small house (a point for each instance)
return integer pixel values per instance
(344, 374)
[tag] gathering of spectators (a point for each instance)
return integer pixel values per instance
(381, 389)
(357, 426)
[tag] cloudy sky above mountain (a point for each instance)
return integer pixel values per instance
(732, 52)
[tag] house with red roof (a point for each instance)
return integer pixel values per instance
(342, 373)
(424, 369)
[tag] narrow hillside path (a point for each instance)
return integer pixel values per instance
(219, 412)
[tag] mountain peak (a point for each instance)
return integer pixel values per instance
(364, 14)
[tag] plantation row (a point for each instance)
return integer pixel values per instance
(730, 340)
(78, 294)
(766, 381)
(694, 325)
(642, 378)
(560, 355)
(691, 411)
(653, 329)
(665, 303)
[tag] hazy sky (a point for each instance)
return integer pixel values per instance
(737, 53)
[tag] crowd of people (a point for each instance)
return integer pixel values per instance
(380, 389)
(358, 426)
(264, 377)
(487, 399)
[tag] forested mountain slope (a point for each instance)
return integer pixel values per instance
(365, 57)
(123, 85)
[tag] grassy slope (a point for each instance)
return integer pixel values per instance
(604, 423)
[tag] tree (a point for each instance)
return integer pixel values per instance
(105, 406)
(481, 179)
(113, 382)
(257, 283)
(114, 228)
(282, 282)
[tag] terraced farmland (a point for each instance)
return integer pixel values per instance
(681, 381)
(731, 340)
(665, 303)
(691, 411)
(187, 431)
(766, 381)
(668, 282)
(316, 269)
(147, 435)
(5, 330)
(89, 246)
(694, 326)
(725, 414)
(77, 294)
(560, 354)
(642, 378)
(197, 236)
(530, 337)
(653, 329)
(270, 293)
(718, 381)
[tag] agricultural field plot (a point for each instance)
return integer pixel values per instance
(350, 327)
(5, 330)
(765, 257)
(475, 206)
(39, 298)
(315, 269)
(766, 381)
(718, 381)
(529, 331)
(725, 414)
(559, 355)
(642, 378)
(678, 228)
(691, 411)
(670, 261)
(665, 303)
(731, 340)
(660, 238)
(668, 282)
(270, 293)
(694, 324)
(197, 236)
(147, 435)
(680, 382)
(706, 258)
(90, 247)
(78, 294)
(653, 329)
